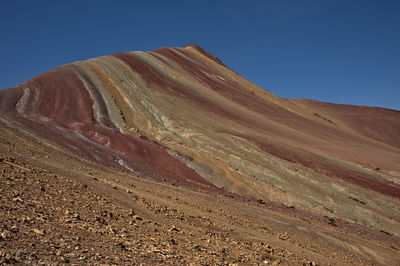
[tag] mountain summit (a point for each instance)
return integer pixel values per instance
(179, 115)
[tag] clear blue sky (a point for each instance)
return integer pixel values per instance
(343, 51)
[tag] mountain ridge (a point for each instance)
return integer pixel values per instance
(180, 115)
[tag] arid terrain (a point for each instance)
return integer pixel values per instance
(170, 157)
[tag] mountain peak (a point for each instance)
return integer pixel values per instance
(174, 116)
(204, 52)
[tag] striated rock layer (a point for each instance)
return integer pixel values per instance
(180, 115)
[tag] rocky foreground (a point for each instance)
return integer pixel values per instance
(48, 219)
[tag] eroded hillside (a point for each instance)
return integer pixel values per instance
(179, 116)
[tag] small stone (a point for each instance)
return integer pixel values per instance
(38, 231)
(18, 256)
(122, 246)
(199, 248)
(261, 201)
(5, 234)
(136, 217)
(100, 220)
(18, 199)
(277, 262)
(8, 256)
(14, 229)
(174, 229)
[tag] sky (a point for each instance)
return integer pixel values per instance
(340, 51)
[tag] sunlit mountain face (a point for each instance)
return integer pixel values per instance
(179, 115)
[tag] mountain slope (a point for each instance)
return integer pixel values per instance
(179, 115)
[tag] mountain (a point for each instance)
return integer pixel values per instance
(179, 116)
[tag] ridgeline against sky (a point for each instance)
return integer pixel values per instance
(335, 51)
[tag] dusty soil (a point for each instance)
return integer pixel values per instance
(47, 218)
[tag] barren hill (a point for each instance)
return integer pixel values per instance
(181, 131)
